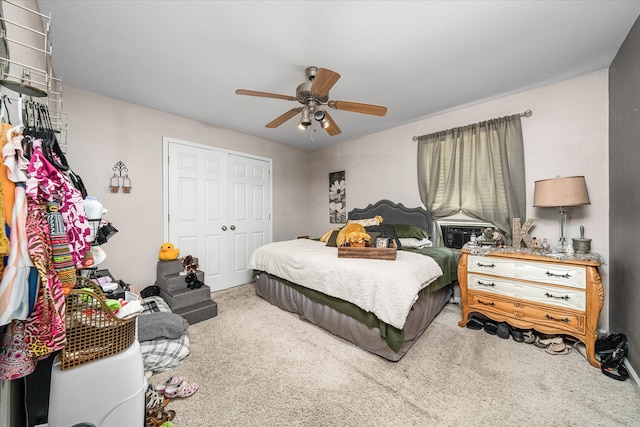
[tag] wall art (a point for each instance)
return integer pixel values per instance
(337, 198)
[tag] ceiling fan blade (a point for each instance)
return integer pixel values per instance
(323, 82)
(333, 128)
(265, 94)
(283, 118)
(357, 107)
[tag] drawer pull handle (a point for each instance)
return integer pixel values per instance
(564, 276)
(566, 297)
(493, 285)
(486, 303)
(486, 265)
(565, 320)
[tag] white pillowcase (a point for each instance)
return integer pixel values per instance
(415, 243)
(376, 220)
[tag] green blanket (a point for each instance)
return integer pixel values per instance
(394, 337)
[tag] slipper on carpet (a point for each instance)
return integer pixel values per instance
(546, 342)
(529, 337)
(491, 327)
(516, 334)
(503, 330)
(475, 323)
(558, 348)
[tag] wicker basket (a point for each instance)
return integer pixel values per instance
(93, 331)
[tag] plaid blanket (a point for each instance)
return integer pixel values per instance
(162, 354)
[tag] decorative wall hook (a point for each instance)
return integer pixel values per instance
(120, 175)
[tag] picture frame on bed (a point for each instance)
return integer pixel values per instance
(382, 242)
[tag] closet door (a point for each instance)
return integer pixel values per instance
(219, 206)
(249, 213)
(197, 203)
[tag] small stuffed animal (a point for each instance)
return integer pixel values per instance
(190, 266)
(168, 252)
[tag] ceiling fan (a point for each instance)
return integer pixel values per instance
(313, 95)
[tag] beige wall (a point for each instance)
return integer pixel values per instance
(567, 135)
(103, 131)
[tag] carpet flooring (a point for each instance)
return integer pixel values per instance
(258, 365)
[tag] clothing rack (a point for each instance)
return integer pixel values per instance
(526, 114)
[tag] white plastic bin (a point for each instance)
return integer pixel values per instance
(108, 392)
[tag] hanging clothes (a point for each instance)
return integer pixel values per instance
(47, 183)
(15, 360)
(45, 327)
(62, 259)
(8, 186)
(16, 295)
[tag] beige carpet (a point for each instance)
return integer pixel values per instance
(258, 365)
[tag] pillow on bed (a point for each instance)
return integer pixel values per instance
(332, 240)
(406, 231)
(348, 229)
(376, 220)
(325, 237)
(415, 243)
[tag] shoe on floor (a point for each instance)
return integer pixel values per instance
(475, 323)
(516, 334)
(558, 348)
(503, 330)
(491, 327)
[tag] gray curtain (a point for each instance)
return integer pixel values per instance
(477, 169)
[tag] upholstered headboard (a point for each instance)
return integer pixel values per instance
(395, 213)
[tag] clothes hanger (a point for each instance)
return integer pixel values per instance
(20, 126)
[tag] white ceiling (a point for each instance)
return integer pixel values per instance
(416, 57)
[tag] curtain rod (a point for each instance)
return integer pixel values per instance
(526, 114)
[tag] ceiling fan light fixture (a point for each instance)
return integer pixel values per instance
(305, 119)
(320, 116)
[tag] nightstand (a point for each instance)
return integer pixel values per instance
(553, 295)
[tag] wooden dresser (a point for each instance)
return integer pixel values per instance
(531, 291)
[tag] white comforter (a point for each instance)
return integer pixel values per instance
(386, 288)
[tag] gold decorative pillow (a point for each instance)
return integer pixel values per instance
(351, 229)
(376, 220)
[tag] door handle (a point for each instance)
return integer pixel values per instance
(224, 228)
(233, 227)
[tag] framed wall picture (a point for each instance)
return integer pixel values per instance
(337, 198)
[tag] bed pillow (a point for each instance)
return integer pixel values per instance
(376, 220)
(325, 236)
(406, 231)
(332, 240)
(352, 227)
(415, 243)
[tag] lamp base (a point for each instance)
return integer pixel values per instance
(562, 246)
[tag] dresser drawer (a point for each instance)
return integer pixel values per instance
(561, 297)
(521, 310)
(559, 274)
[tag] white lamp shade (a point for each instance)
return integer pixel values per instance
(565, 191)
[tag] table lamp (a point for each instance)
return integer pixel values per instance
(561, 192)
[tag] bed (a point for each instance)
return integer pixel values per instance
(385, 321)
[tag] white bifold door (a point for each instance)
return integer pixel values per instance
(219, 209)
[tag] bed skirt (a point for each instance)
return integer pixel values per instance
(423, 312)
